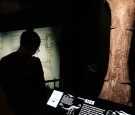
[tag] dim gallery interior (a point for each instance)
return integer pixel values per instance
(87, 49)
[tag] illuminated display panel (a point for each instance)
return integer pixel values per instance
(48, 50)
(63, 103)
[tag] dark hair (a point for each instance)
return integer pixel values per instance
(29, 39)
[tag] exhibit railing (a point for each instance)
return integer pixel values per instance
(54, 82)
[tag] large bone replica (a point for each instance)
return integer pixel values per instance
(117, 86)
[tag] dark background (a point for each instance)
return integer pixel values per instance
(85, 35)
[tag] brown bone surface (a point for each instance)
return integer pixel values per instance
(116, 86)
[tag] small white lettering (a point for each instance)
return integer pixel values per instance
(91, 102)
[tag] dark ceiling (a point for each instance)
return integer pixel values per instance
(19, 13)
(22, 13)
(11, 6)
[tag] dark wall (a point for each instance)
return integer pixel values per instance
(88, 45)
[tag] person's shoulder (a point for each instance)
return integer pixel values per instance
(36, 59)
(8, 56)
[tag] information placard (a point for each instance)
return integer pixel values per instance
(68, 104)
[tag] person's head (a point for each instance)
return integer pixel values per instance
(29, 42)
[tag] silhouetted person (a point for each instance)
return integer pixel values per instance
(22, 78)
